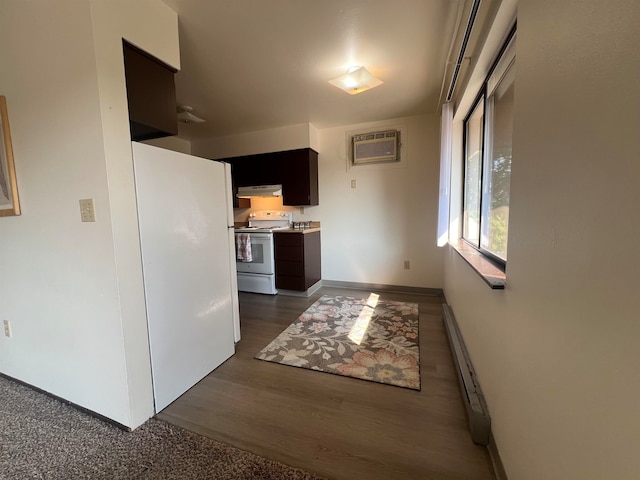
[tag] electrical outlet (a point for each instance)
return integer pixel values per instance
(353, 184)
(301, 210)
(407, 265)
(7, 328)
(87, 210)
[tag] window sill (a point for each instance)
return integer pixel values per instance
(484, 267)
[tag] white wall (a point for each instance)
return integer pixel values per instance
(73, 291)
(291, 137)
(391, 216)
(367, 232)
(58, 286)
(557, 352)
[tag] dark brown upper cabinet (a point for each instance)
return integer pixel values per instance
(296, 170)
(299, 176)
(250, 170)
(151, 93)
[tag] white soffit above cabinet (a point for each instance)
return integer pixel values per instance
(250, 65)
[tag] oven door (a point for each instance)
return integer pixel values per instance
(261, 255)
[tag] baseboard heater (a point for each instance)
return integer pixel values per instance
(477, 412)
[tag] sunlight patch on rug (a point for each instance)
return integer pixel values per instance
(368, 338)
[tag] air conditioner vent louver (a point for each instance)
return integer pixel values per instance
(375, 147)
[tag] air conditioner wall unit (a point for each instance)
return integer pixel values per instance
(375, 147)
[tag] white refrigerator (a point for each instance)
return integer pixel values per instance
(185, 219)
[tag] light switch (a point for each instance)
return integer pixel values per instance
(7, 329)
(353, 184)
(87, 211)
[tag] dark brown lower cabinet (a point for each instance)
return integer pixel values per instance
(297, 260)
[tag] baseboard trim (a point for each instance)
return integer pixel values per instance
(67, 402)
(496, 460)
(306, 293)
(432, 292)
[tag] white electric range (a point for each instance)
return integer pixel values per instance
(255, 254)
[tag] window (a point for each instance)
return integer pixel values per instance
(488, 131)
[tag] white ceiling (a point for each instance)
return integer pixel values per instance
(249, 65)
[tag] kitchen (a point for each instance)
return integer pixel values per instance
(265, 264)
(189, 251)
(286, 184)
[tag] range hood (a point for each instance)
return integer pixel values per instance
(260, 191)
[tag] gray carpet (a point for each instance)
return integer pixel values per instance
(43, 438)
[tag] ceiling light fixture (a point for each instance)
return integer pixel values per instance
(185, 115)
(356, 80)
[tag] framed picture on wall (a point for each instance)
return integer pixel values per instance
(9, 204)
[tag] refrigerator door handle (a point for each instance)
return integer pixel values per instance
(229, 195)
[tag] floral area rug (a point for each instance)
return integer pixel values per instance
(371, 339)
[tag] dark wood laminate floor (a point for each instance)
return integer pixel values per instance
(334, 426)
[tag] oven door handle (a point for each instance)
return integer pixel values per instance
(259, 235)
